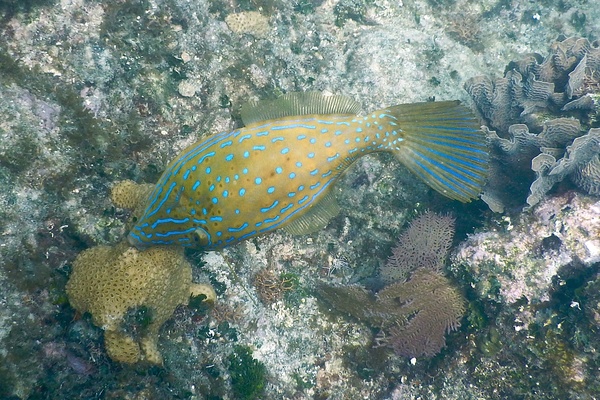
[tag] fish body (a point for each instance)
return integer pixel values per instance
(278, 173)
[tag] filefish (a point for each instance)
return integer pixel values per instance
(278, 170)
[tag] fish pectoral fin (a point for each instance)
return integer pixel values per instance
(201, 237)
(315, 218)
(297, 103)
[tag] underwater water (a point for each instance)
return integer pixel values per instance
(396, 292)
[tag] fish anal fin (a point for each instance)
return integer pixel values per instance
(315, 218)
(298, 103)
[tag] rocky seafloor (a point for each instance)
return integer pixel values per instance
(94, 92)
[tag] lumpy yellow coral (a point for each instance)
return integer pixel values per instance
(131, 293)
(249, 22)
(128, 194)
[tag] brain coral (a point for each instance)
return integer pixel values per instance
(131, 293)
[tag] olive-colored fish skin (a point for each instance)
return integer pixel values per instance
(236, 185)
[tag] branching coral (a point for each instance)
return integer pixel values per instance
(538, 109)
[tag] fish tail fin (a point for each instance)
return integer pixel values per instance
(442, 144)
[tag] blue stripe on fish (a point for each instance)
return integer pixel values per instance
(238, 229)
(171, 233)
(169, 220)
(269, 208)
(293, 126)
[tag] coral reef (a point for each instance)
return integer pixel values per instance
(92, 92)
(413, 316)
(538, 110)
(129, 293)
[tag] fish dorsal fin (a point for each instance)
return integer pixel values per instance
(297, 103)
(315, 218)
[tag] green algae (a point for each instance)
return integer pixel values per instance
(248, 375)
